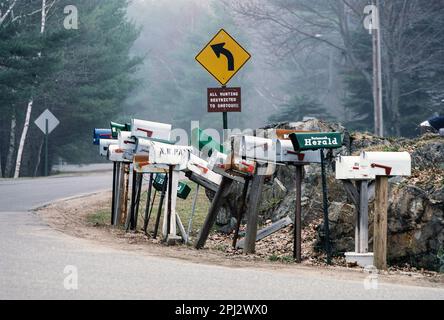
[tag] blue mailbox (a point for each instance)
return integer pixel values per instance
(101, 134)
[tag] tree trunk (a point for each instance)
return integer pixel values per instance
(11, 150)
(22, 140)
(29, 109)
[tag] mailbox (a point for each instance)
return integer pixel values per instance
(162, 153)
(126, 142)
(372, 164)
(142, 165)
(200, 167)
(117, 127)
(151, 130)
(183, 190)
(285, 153)
(349, 167)
(217, 159)
(200, 140)
(104, 145)
(101, 134)
(316, 140)
(256, 148)
(387, 163)
(115, 153)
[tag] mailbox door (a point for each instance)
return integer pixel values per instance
(101, 134)
(351, 168)
(117, 127)
(200, 167)
(217, 159)
(149, 129)
(126, 142)
(104, 146)
(257, 148)
(115, 153)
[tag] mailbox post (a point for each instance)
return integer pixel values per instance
(313, 141)
(370, 166)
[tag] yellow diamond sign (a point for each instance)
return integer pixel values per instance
(223, 57)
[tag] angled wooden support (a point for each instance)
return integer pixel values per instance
(212, 213)
(241, 211)
(146, 219)
(254, 201)
(265, 232)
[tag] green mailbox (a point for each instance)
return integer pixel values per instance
(316, 141)
(201, 140)
(117, 127)
(183, 190)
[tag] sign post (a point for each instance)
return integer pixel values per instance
(46, 122)
(223, 57)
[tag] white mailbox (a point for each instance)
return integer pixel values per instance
(142, 165)
(387, 163)
(200, 167)
(349, 167)
(104, 145)
(149, 129)
(217, 159)
(115, 153)
(162, 153)
(285, 153)
(126, 141)
(255, 148)
(142, 146)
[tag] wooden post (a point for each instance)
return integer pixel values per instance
(380, 223)
(241, 211)
(129, 225)
(123, 192)
(212, 213)
(297, 241)
(139, 190)
(363, 217)
(254, 201)
(147, 206)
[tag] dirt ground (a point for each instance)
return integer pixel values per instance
(73, 217)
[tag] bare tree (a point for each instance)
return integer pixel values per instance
(298, 24)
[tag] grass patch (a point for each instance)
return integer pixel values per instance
(284, 259)
(183, 208)
(100, 218)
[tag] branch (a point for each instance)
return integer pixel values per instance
(3, 18)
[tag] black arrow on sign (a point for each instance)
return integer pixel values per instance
(219, 49)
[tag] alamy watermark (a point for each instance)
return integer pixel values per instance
(371, 281)
(71, 281)
(71, 21)
(371, 20)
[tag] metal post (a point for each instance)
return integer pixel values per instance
(193, 210)
(363, 217)
(159, 210)
(225, 120)
(147, 206)
(113, 201)
(170, 193)
(325, 206)
(297, 229)
(46, 147)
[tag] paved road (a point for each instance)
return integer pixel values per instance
(33, 258)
